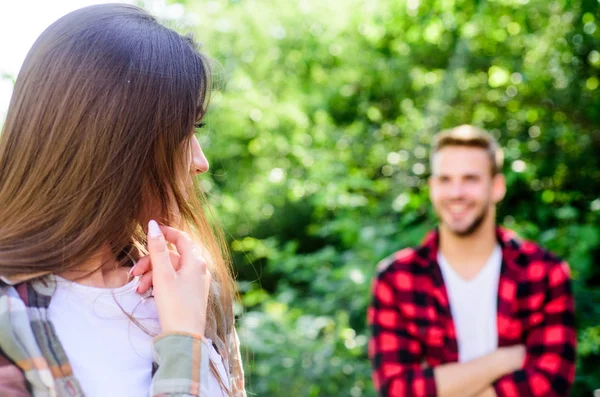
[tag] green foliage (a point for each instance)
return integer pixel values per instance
(318, 147)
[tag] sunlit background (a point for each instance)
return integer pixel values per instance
(21, 22)
(318, 140)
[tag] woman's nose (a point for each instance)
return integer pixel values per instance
(199, 162)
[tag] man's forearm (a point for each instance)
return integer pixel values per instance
(470, 378)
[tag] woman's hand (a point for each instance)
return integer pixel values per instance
(180, 280)
(143, 268)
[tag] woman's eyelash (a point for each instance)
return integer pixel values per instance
(199, 125)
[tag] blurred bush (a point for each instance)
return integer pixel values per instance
(318, 148)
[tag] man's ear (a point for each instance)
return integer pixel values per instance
(498, 188)
(430, 184)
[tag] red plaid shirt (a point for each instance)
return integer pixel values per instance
(413, 331)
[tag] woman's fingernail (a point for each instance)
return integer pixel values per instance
(153, 229)
(130, 271)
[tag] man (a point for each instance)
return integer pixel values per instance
(474, 310)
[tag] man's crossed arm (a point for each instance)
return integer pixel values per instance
(548, 368)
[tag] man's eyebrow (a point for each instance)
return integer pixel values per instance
(468, 174)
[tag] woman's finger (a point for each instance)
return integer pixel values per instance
(144, 264)
(162, 269)
(145, 283)
(189, 252)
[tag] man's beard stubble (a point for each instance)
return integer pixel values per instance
(474, 226)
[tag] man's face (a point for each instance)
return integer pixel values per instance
(462, 189)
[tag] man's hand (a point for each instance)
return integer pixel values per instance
(477, 376)
(512, 357)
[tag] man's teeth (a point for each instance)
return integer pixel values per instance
(457, 208)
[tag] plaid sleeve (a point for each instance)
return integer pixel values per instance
(396, 356)
(183, 365)
(549, 368)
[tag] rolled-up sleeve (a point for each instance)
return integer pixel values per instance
(183, 365)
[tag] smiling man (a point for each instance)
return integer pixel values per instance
(474, 310)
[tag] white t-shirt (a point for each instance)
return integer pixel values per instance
(110, 355)
(474, 305)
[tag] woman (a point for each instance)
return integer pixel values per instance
(97, 150)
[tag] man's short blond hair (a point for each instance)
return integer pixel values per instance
(470, 136)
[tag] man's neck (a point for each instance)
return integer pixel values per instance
(468, 254)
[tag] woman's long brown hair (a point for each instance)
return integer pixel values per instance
(98, 132)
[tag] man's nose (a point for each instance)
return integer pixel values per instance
(456, 190)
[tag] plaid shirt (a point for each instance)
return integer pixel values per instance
(33, 362)
(413, 330)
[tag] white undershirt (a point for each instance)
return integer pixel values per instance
(473, 305)
(109, 354)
